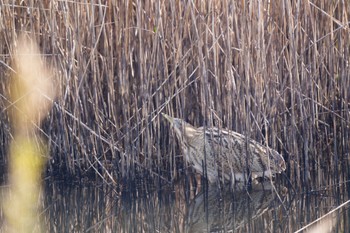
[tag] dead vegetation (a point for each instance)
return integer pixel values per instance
(278, 73)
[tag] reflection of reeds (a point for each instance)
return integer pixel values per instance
(31, 96)
(276, 72)
(100, 209)
(215, 211)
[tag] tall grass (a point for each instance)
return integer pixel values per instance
(278, 73)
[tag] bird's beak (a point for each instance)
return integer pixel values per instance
(169, 118)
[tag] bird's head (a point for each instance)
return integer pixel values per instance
(182, 128)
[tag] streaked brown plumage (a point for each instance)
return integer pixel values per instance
(225, 154)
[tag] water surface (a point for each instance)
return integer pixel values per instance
(137, 206)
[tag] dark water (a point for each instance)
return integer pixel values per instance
(140, 207)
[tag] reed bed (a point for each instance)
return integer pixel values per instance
(276, 72)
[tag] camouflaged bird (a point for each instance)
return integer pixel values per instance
(217, 153)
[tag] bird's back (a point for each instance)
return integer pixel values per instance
(220, 153)
(229, 154)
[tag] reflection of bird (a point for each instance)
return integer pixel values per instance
(216, 210)
(226, 154)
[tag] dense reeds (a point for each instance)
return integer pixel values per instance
(278, 73)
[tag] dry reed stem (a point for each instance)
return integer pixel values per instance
(32, 93)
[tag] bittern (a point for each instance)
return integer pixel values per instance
(218, 153)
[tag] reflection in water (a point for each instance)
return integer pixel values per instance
(213, 210)
(137, 207)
